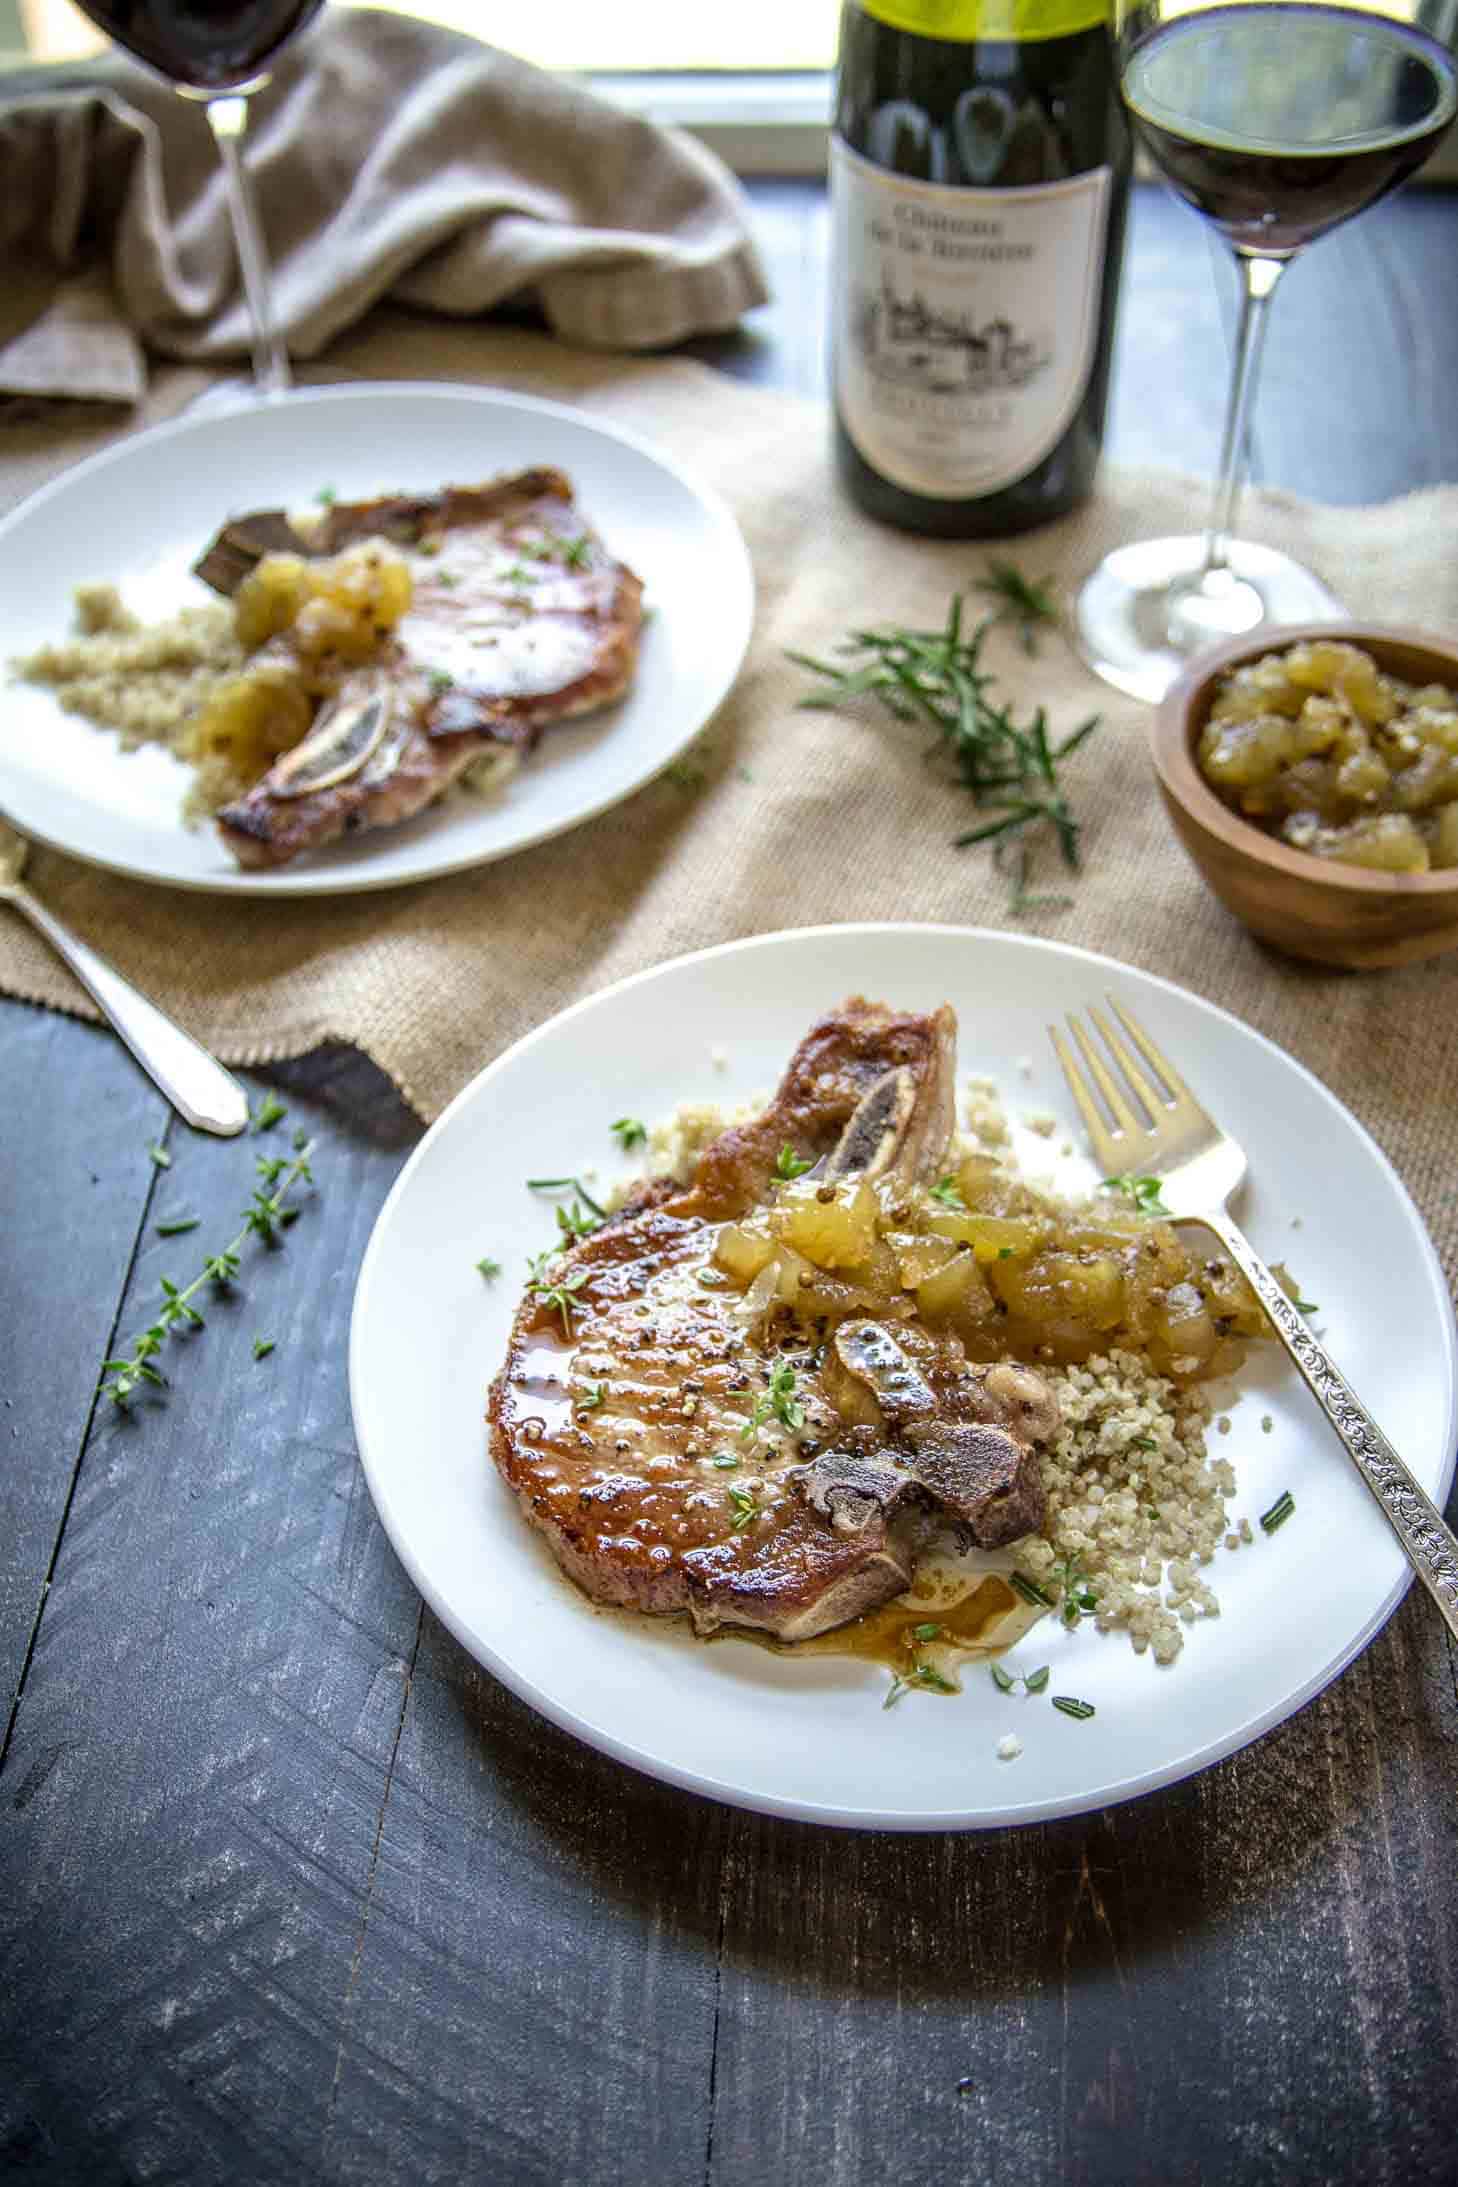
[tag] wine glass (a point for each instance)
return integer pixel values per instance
(1277, 120)
(217, 52)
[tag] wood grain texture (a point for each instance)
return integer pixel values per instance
(76, 1176)
(291, 1891)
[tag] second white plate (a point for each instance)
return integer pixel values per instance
(809, 1737)
(139, 514)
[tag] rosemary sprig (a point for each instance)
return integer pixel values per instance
(1279, 1512)
(263, 1218)
(1019, 600)
(1072, 1706)
(1030, 1591)
(1010, 767)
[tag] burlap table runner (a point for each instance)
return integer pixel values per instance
(799, 817)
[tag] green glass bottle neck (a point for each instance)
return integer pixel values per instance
(966, 22)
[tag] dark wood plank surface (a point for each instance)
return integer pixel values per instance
(292, 1891)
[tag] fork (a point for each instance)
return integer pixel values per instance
(1199, 1168)
(201, 1091)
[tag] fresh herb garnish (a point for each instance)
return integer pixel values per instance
(1306, 1306)
(1036, 1680)
(1029, 1590)
(725, 1460)
(788, 1163)
(1071, 1706)
(583, 1216)
(270, 1111)
(576, 553)
(158, 1155)
(262, 1346)
(1079, 1600)
(1143, 1442)
(926, 1632)
(595, 1398)
(779, 1399)
(264, 1216)
(1010, 767)
(744, 1507)
(1141, 1192)
(177, 1226)
(488, 1268)
(1279, 1512)
(440, 679)
(945, 1190)
(630, 1132)
(327, 496)
(555, 1293)
(1019, 600)
(922, 1675)
(1000, 1678)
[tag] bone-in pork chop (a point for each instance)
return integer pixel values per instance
(520, 617)
(686, 1445)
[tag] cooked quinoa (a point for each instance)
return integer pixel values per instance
(1136, 1506)
(145, 680)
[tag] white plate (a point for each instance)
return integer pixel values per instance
(809, 1738)
(140, 514)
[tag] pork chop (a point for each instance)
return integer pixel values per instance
(520, 618)
(683, 1449)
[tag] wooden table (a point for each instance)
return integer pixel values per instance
(293, 1891)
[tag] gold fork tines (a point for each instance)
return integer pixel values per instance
(1172, 1125)
(1200, 1167)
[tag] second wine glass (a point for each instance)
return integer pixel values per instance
(217, 52)
(1276, 120)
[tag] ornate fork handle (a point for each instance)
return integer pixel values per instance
(1415, 1519)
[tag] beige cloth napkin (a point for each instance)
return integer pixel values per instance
(390, 158)
(800, 817)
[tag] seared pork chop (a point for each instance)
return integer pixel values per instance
(520, 617)
(685, 1448)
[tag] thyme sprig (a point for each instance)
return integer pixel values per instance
(780, 1399)
(790, 1165)
(1019, 601)
(921, 1677)
(555, 1291)
(935, 677)
(582, 1216)
(1141, 1192)
(263, 1218)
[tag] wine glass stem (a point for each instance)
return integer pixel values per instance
(1258, 277)
(228, 118)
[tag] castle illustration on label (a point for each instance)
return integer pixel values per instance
(907, 342)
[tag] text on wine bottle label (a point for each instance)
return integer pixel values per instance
(963, 321)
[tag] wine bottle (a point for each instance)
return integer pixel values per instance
(979, 185)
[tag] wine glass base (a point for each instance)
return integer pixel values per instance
(1125, 621)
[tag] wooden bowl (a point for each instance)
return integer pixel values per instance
(1309, 907)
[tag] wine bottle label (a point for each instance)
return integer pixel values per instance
(963, 322)
(961, 22)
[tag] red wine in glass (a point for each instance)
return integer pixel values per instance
(217, 51)
(1278, 122)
